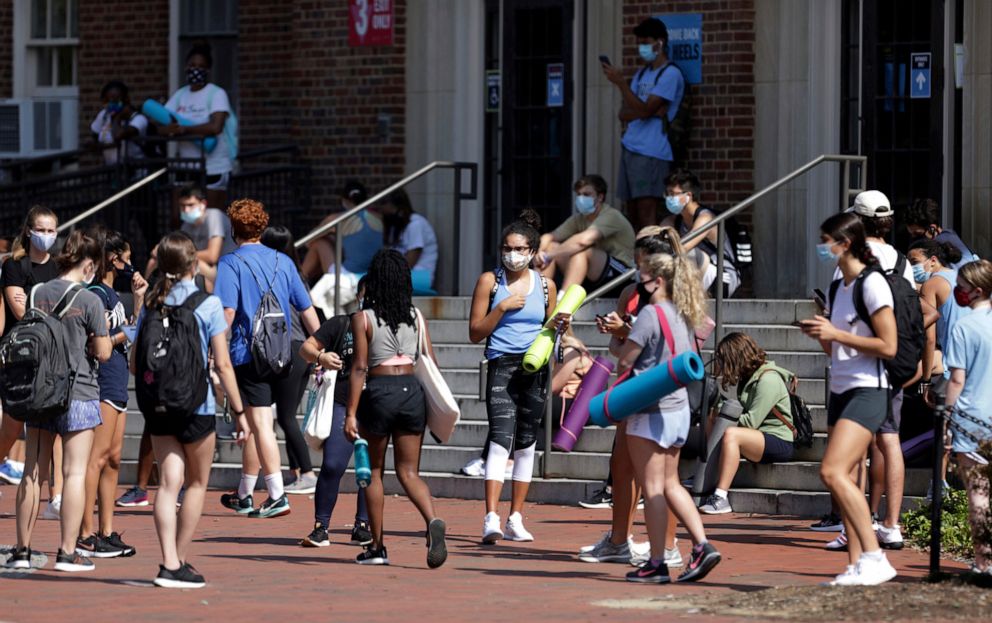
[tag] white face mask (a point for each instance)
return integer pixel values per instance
(516, 261)
(89, 279)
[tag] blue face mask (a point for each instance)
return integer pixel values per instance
(584, 204)
(672, 204)
(191, 216)
(825, 254)
(646, 50)
(920, 275)
(115, 107)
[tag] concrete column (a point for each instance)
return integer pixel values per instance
(604, 32)
(976, 139)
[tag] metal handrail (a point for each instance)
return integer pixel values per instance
(321, 230)
(106, 202)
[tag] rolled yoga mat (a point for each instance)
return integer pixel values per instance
(707, 466)
(638, 392)
(911, 448)
(575, 420)
(163, 116)
(539, 352)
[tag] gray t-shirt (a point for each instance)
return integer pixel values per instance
(215, 224)
(84, 318)
(647, 334)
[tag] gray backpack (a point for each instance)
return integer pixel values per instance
(271, 346)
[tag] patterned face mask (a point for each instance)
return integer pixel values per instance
(196, 76)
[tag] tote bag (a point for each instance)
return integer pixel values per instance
(442, 408)
(320, 408)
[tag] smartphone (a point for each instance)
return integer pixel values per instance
(820, 298)
(601, 317)
(604, 59)
(798, 323)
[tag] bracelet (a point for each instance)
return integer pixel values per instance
(238, 413)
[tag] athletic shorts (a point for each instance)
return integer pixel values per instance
(777, 450)
(186, 430)
(641, 176)
(668, 429)
(893, 420)
(255, 391)
(82, 415)
(392, 404)
(613, 269)
(868, 406)
(118, 405)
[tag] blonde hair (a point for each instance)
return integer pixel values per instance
(979, 275)
(23, 240)
(650, 230)
(682, 281)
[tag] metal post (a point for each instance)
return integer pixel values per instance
(337, 271)
(456, 242)
(845, 195)
(721, 236)
(937, 486)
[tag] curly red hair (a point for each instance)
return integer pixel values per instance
(248, 219)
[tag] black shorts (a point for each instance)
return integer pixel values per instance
(255, 391)
(392, 404)
(186, 430)
(777, 450)
(868, 406)
(613, 269)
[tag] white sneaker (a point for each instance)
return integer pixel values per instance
(585, 549)
(640, 553)
(844, 579)
(673, 558)
(53, 510)
(515, 530)
(476, 467)
(889, 538)
(872, 571)
(839, 544)
(490, 529)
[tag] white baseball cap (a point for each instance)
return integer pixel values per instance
(871, 203)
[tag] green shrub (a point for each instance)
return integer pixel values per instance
(955, 533)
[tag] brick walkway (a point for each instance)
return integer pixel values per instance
(256, 571)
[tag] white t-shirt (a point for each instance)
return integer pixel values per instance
(420, 235)
(887, 258)
(192, 105)
(849, 368)
(103, 127)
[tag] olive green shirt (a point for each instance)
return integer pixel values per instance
(762, 392)
(617, 233)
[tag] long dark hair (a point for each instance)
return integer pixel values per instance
(111, 241)
(848, 226)
(281, 239)
(78, 248)
(395, 224)
(528, 225)
(176, 256)
(389, 289)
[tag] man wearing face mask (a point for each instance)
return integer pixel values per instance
(209, 228)
(593, 246)
(923, 223)
(655, 92)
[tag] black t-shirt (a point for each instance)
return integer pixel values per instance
(336, 337)
(16, 273)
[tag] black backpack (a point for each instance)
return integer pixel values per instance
(802, 419)
(170, 376)
(36, 376)
(909, 319)
(679, 129)
(271, 342)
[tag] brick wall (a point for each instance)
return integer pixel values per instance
(6, 49)
(126, 41)
(267, 105)
(722, 140)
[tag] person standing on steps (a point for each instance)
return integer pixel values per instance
(509, 308)
(386, 401)
(244, 277)
(655, 92)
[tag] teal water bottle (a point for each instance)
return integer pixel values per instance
(363, 469)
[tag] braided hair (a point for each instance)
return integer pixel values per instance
(389, 289)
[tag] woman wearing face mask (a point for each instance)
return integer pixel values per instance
(509, 307)
(205, 105)
(105, 457)
(412, 235)
(118, 122)
(969, 397)
(85, 332)
(859, 386)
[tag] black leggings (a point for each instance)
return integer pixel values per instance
(289, 391)
(514, 402)
(337, 453)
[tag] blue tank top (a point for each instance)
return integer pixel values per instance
(360, 246)
(950, 312)
(517, 329)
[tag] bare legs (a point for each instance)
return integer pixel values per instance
(845, 449)
(179, 464)
(103, 470)
(406, 452)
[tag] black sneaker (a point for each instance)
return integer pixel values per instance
(183, 577)
(650, 574)
(373, 556)
(19, 559)
(95, 546)
(437, 550)
(600, 499)
(361, 534)
(114, 539)
(701, 561)
(828, 523)
(316, 538)
(272, 508)
(241, 506)
(72, 562)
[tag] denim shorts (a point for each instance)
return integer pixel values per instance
(82, 415)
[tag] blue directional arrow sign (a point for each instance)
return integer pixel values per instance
(556, 85)
(919, 75)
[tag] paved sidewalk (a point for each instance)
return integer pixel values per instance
(256, 571)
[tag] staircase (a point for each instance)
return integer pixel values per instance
(792, 488)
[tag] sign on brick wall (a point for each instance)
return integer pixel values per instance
(370, 22)
(685, 43)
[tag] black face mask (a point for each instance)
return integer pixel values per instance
(126, 273)
(642, 292)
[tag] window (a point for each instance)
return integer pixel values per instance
(215, 22)
(53, 44)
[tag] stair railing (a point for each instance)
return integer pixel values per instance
(720, 223)
(71, 223)
(459, 195)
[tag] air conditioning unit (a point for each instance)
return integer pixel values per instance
(38, 126)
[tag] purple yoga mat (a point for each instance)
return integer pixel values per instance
(911, 448)
(578, 414)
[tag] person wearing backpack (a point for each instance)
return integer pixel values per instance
(179, 409)
(765, 432)
(859, 383)
(654, 94)
(922, 220)
(258, 286)
(55, 391)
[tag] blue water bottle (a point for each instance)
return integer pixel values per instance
(363, 469)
